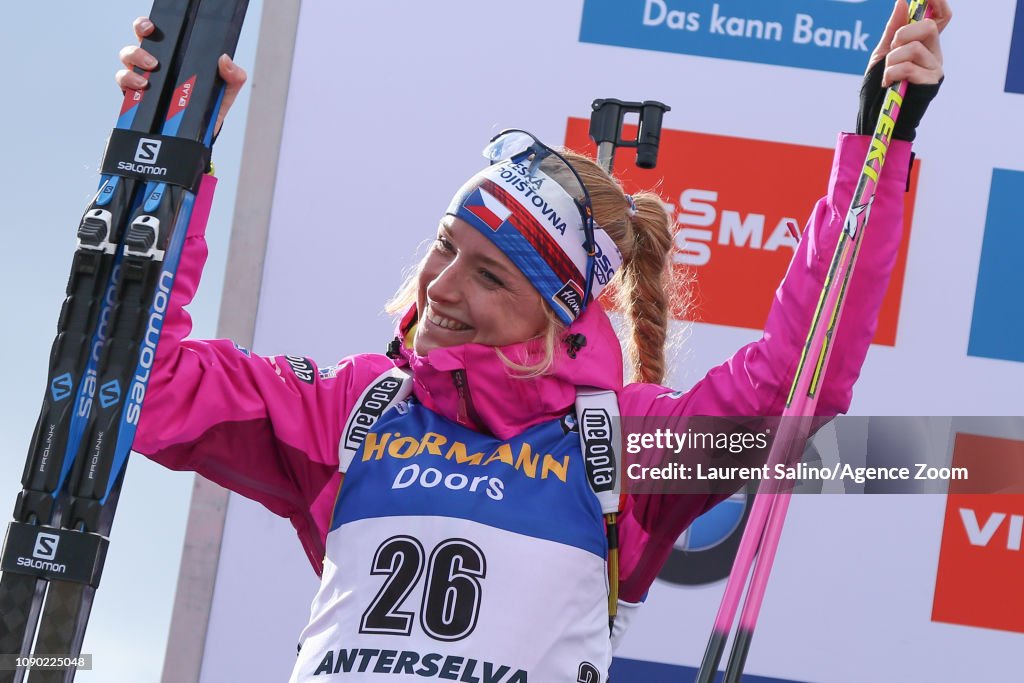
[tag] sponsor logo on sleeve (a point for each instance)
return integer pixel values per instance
(827, 35)
(980, 557)
(302, 367)
(330, 372)
(735, 224)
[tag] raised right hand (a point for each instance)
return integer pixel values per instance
(134, 56)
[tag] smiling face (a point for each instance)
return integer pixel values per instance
(468, 291)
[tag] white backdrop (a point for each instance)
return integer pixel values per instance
(388, 107)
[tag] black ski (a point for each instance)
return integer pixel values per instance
(75, 351)
(171, 165)
(153, 244)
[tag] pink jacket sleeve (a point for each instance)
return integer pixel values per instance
(265, 427)
(756, 380)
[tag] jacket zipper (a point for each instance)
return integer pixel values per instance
(467, 413)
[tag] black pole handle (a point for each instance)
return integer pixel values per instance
(606, 121)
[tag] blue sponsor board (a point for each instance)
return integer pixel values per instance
(828, 35)
(638, 670)
(997, 328)
(1015, 70)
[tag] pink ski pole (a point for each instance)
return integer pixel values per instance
(764, 527)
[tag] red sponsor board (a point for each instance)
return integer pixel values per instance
(981, 563)
(737, 204)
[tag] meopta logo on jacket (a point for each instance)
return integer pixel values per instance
(458, 534)
(828, 35)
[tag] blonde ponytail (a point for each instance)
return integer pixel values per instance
(647, 289)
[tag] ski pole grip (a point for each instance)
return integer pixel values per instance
(606, 120)
(649, 136)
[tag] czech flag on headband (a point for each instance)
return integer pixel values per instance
(538, 226)
(487, 208)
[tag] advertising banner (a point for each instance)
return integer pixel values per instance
(736, 225)
(997, 327)
(832, 35)
(388, 108)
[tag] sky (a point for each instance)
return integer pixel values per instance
(59, 58)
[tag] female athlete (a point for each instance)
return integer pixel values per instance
(439, 488)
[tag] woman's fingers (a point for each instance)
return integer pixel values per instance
(941, 13)
(898, 32)
(910, 72)
(133, 56)
(129, 80)
(925, 32)
(916, 54)
(234, 78)
(143, 27)
(897, 19)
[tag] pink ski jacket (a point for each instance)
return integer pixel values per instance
(269, 428)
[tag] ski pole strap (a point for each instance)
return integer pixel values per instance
(54, 554)
(597, 413)
(156, 158)
(597, 417)
(391, 387)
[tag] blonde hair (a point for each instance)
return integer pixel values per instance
(646, 289)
